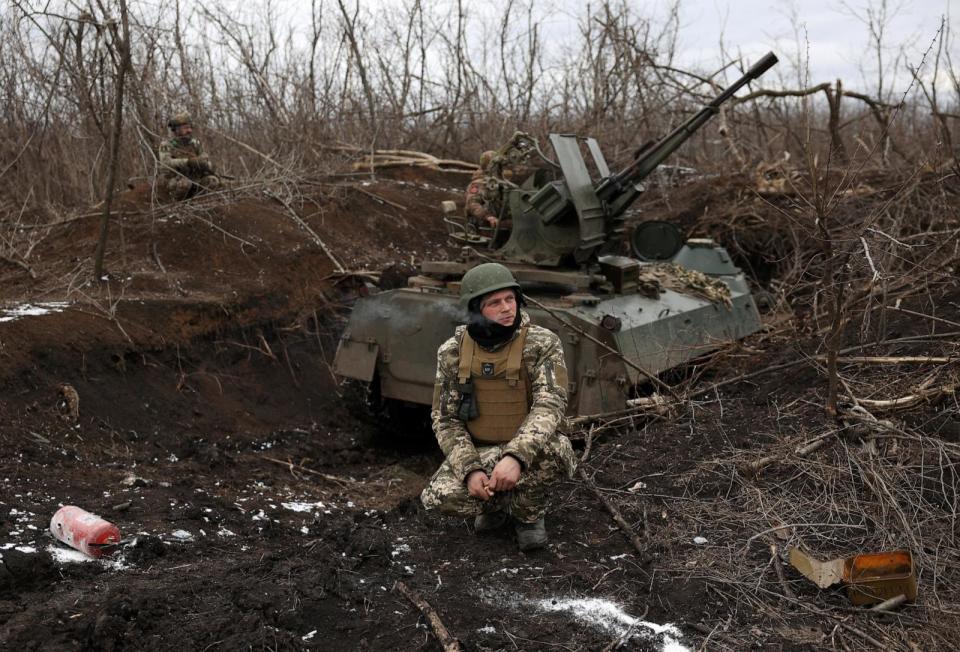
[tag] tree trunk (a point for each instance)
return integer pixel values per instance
(122, 45)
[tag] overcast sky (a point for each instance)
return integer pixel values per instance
(835, 34)
(830, 39)
(831, 36)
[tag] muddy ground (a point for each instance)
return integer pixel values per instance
(265, 510)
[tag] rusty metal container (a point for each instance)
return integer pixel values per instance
(877, 576)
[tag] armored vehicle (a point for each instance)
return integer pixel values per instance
(622, 319)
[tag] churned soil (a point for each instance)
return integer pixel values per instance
(189, 399)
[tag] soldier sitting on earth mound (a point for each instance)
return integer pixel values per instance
(184, 166)
(500, 393)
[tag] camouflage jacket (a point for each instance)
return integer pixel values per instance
(184, 158)
(482, 197)
(543, 359)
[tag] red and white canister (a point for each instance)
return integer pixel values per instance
(84, 531)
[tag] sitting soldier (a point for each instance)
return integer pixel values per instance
(484, 194)
(500, 393)
(184, 166)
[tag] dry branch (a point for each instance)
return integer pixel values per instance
(628, 532)
(905, 359)
(20, 264)
(449, 643)
(343, 482)
(910, 400)
(890, 604)
(306, 227)
(606, 347)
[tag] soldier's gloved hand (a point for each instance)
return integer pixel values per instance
(506, 474)
(478, 486)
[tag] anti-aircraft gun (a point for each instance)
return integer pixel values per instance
(621, 319)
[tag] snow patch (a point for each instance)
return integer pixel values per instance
(13, 313)
(610, 616)
(63, 555)
(601, 614)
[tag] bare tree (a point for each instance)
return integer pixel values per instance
(119, 45)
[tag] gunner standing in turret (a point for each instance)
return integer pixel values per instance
(500, 392)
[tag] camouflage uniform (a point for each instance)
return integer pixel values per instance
(186, 167)
(544, 454)
(483, 198)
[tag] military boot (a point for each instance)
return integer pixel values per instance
(531, 536)
(489, 521)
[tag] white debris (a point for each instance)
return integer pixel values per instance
(308, 635)
(399, 550)
(487, 629)
(301, 507)
(224, 532)
(305, 530)
(699, 540)
(182, 535)
(639, 486)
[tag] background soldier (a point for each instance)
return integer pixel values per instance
(483, 198)
(500, 393)
(184, 165)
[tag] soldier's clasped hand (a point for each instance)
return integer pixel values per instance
(478, 486)
(506, 474)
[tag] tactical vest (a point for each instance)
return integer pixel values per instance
(500, 385)
(181, 149)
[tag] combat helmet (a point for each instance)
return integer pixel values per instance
(487, 158)
(484, 279)
(177, 119)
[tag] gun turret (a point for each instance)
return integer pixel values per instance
(570, 219)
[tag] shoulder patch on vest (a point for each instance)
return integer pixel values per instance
(487, 368)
